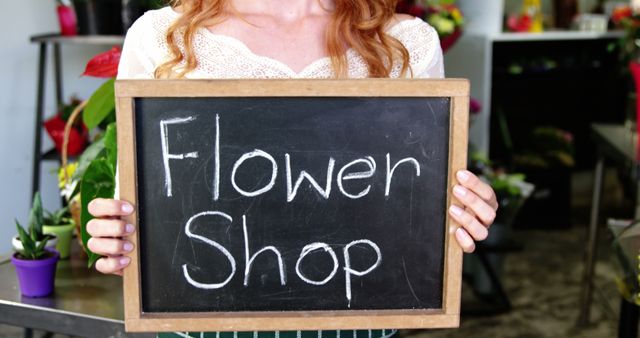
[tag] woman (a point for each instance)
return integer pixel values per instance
(281, 39)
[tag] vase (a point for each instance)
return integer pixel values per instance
(64, 232)
(36, 277)
(67, 20)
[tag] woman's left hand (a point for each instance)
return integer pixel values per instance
(480, 205)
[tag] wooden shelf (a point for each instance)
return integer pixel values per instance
(79, 39)
(556, 36)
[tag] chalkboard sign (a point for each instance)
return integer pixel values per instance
(291, 204)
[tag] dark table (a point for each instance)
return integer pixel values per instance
(616, 145)
(85, 302)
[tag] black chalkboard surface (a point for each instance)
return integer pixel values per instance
(289, 203)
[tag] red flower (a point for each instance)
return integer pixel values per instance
(519, 23)
(105, 64)
(621, 13)
(417, 11)
(403, 6)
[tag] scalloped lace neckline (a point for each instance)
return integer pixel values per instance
(241, 46)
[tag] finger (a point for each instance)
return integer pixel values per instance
(112, 265)
(109, 228)
(102, 207)
(480, 188)
(109, 246)
(478, 231)
(478, 206)
(465, 241)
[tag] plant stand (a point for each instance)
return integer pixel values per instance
(55, 41)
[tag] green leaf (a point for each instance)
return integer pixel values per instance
(111, 145)
(33, 235)
(36, 216)
(89, 154)
(101, 104)
(39, 252)
(98, 181)
(28, 244)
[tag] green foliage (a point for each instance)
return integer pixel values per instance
(36, 217)
(111, 145)
(504, 184)
(89, 154)
(61, 216)
(101, 105)
(33, 241)
(98, 181)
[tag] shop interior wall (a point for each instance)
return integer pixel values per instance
(20, 20)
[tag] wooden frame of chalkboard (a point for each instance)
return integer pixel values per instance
(128, 95)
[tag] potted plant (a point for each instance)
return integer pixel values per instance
(511, 191)
(36, 218)
(60, 224)
(35, 263)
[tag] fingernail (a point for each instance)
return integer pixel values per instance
(127, 246)
(463, 175)
(455, 210)
(125, 260)
(128, 228)
(126, 207)
(460, 191)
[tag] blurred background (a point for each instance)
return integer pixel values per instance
(553, 129)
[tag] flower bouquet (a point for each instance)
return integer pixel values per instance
(443, 15)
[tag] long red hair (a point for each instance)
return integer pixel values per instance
(357, 24)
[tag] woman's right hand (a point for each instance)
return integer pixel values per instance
(107, 230)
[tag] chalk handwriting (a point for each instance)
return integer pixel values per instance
(292, 191)
(249, 261)
(166, 156)
(306, 250)
(232, 261)
(391, 170)
(312, 247)
(348, 271)
(272, 181)
(369, 161)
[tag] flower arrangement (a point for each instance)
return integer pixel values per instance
(628, 19)
(548, 147)
(93, 175)
(529, 19)
(443, 15)
(511, 188)
(55, 126)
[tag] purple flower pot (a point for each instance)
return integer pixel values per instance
(36, 276)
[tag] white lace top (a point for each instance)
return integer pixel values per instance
(224, 57)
